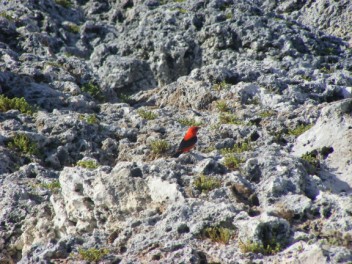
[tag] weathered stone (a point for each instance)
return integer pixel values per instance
(108, 79)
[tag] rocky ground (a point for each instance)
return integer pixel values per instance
(110, 87)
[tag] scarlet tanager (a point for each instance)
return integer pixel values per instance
(188, 141)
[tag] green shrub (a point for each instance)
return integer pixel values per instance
(52, 186)
(92, 254)
(217, 234)
(229, 15)
(92, 90)
(221, 86)
(68, 54)
(205, 183)
(189, 122)
(24, 144)
(337, 238)
(148, 115)
(270, 249)
(300, 129)
(311, 158)
(6, 15)
(64, 3)
(159, 146)
(88, 164)
(54, 64)
(229, 119)
(327, 70)
(73, 28)
(182, 10)
(89, 119)
(306, 78)
(232, 162)
(266, 114)
(254, 101)
(125, 98)
(19, 104)
(242, 146)
(237, 148)
(222, 106)
(328, 51)
(92, 119)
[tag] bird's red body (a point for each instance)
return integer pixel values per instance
(188, 142)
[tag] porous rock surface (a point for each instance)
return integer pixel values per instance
(270, 82)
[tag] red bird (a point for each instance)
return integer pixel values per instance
(188, 141)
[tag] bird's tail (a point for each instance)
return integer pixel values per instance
(177, 154)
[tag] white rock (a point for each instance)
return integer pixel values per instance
(333, 129)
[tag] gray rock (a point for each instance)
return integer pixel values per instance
(107, 79)
(336, 123)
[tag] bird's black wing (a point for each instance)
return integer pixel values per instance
(187, 143)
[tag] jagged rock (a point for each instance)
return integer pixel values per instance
(336, 122)
(97, 192)
(109, 78)
(264, 230)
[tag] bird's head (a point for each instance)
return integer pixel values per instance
(193, 129)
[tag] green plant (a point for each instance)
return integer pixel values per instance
(237, 148)
(328, 51)
(205, 183)
(68, 54)
(51, 186)
(17, 104)
(232, 162)
(300, 129)
(254, 101)
(215, 126)
(92, 119)
(148, 115)
(311, 158)
(189, 122)
(54, 64)
(229, 15)
(88, 164)
(266, 113)
(6, 15)
(226, 118)
(179, 9)
(126, 98)
(93, 90)
(24, 144)
(159, 146)
(92, 254)
(337, 238)
(326, 70)
(300, 248)
(269, 249)
(64, 3)
(221, 86)
(306, 78)
(278, 137)
(222, 106)
(217, 234)
(73, 28)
